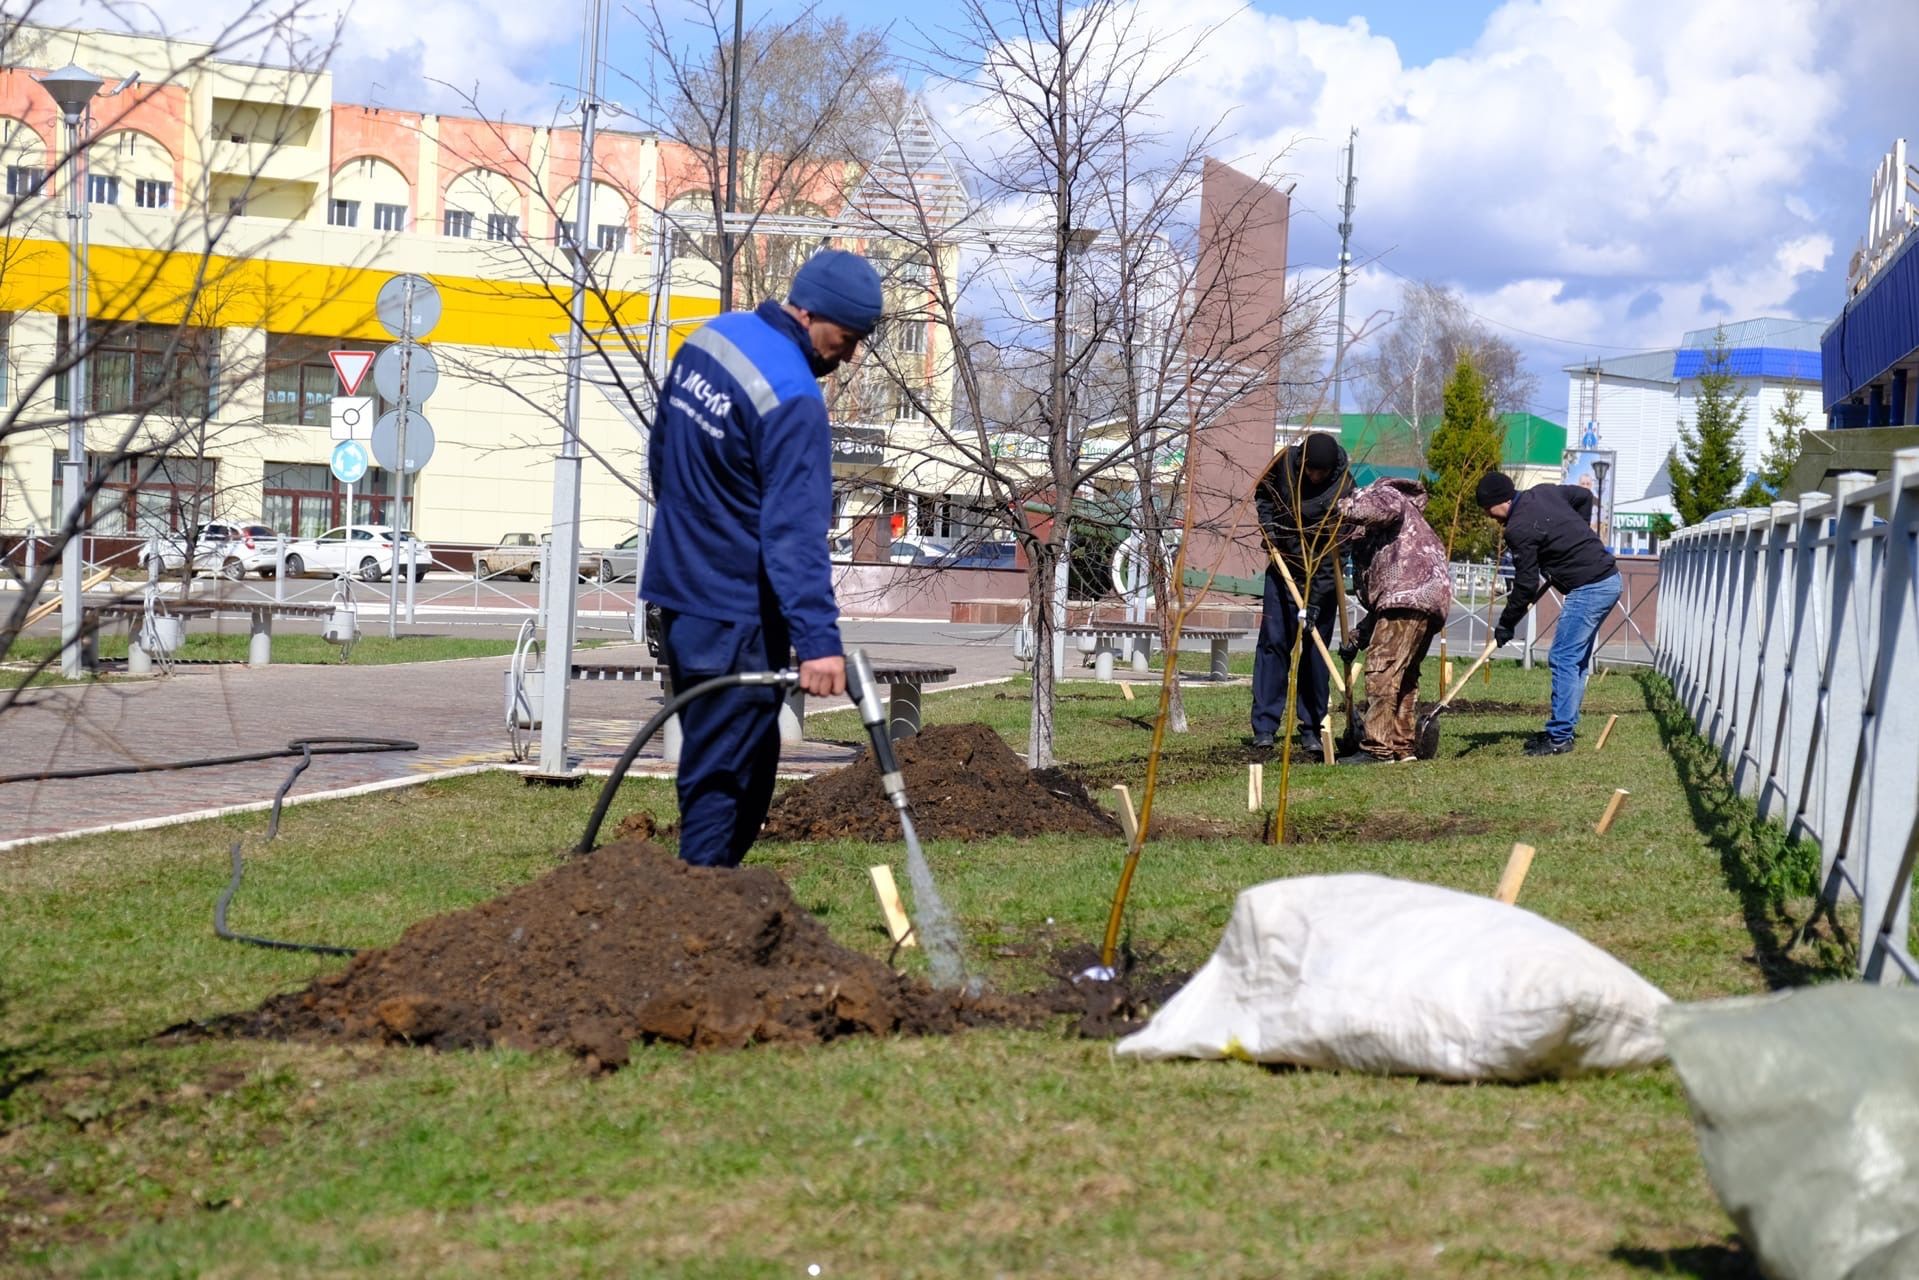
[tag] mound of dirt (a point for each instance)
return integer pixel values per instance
(964, 783)
(625, 944)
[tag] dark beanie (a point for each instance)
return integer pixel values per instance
(1494, 488)
(842, 287)
(1322, 451)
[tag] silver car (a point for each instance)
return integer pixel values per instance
(231, 550)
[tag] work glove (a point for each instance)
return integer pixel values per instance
(1502, 634)
(1310, 616)
(1349, 651)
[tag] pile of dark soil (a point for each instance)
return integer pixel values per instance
(964, 783)
(626, 944)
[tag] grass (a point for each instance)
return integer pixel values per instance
(295, 648)
(985, 1153)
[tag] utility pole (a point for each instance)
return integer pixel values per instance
(562, 570)
(732, 158)
(1345, 270)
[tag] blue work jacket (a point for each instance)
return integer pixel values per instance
(741, 460)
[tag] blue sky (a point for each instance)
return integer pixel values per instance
(1591, 175)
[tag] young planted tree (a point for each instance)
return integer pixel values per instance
(1782, 452)
(1708, 465)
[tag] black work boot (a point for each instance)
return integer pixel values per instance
(1310, 745)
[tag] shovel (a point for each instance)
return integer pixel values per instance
(1426, 732)
(1299, 602)
(1349, 741)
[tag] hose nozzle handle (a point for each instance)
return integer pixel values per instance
(864, 690)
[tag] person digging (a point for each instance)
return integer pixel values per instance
(1549, 532)
(1295, 501)
(1405, 586)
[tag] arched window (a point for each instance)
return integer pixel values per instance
(26, 160)
(482, 204)
(370, 194)
(128, 167)
(611, 212)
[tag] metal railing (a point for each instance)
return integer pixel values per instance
(1792, 636)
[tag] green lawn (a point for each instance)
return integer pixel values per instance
(289, 647)
(1015, 1154)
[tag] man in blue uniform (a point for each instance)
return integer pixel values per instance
(741, 460)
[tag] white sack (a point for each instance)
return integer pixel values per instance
(1367, 973)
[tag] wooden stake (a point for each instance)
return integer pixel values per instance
(897, 924)
(1128, 820)
(1518, 863)
(1255, 787)
(46, 608)
(1126, 689)
(1605, 732)
(1613, 806)
(1445, 673)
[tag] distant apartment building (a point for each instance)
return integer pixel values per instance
(241, 225)
(1634, 406)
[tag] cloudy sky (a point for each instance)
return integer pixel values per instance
(1593, 175)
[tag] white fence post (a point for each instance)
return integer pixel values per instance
(1791, 635)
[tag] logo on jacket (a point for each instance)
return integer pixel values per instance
(715, 401)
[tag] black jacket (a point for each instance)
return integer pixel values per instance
(1549, 531)
(1298, 517)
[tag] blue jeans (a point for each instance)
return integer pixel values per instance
(1571, 658)
(730, 739)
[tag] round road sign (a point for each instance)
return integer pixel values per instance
(422, 372)
(386, 441)
(349, 461)
(408, 306)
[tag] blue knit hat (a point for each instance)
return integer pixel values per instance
(842, 287)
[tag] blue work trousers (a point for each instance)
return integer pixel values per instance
(730, 739)
(1571, 657)
(1278, 624)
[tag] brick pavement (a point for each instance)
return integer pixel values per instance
(454, 710)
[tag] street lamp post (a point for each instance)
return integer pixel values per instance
(1599, 497)
(72, 89)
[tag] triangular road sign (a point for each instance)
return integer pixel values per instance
(352, 367)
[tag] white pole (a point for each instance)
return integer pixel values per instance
(563, 565)
(73, 555)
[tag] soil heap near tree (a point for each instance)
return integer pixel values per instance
(964, 783)
(625, 944)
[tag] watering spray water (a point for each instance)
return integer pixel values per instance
(934, 924)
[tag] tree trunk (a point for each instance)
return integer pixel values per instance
(1039, 596)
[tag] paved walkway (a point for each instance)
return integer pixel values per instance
(454, 710)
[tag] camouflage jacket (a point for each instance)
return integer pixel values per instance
(1398, 561)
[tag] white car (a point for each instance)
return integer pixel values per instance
(363, 550)
(231, 550)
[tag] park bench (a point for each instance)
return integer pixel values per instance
(260, 614)
(1102, 642)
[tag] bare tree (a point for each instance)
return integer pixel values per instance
(1405, 374)
(161, 389)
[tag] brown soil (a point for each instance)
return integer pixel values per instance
(964, 783)
(625, 944)
(1319, 828)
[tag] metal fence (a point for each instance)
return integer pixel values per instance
(1792, 636)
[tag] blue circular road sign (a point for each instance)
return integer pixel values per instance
(350, 461)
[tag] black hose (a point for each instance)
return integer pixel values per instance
(652, 726)
(306, 749)
(320, 747)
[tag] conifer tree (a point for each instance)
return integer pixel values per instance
(1709, 465)
(1467, 445)
(1782, 453)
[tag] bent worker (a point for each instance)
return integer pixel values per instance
(1549, 531)
(741, 460)
(1405, 585)
(1295, 501)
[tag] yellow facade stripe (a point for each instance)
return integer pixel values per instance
(216, 291)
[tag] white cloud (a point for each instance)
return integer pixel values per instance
(420, 55)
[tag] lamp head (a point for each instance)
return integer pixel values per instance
(71, 87)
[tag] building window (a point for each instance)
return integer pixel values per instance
(142, 495)
(152, 193)
(304, 500)
(502, 226)
(103, 188)
(912, 337)
(6, 365)
(389, 217)
(904, 410)
(236, 206)
(611, 237)
(912, 269)
(343, 213)
(26, 179)
(301, 381)
(166, 369)
(458, 223)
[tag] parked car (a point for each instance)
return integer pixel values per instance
(363, 550)
(923, 551)
(521, 555)
(621, 560)
(231, 550)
